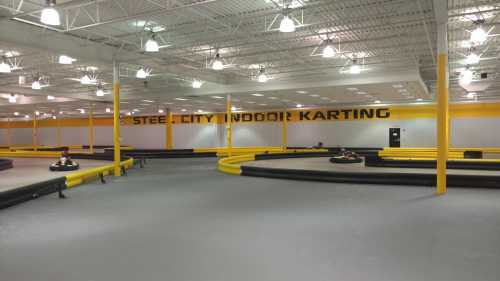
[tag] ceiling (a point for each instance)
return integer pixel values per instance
(393, 40)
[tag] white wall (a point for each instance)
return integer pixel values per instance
(465, 132)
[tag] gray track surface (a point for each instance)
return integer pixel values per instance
(181, 220)
(28, 171)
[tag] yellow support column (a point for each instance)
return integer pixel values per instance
(285, 128)
(58, 132)
(442, 117)
(35, 132)
(9, 138)
(116, 118)
(91, 130)
(168, 130)
(229, 123)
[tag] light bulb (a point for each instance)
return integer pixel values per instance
(50, 16)
(199, 111)
(233, 108)
(262, 78)
(12, 99)
(37, 113)
(85, 80)
(299, 105)
(63, 59)
(16, 113)
(328, 52)
(99, 92)
(472, 58)
(108, 110)
(26, 116)
(49, 97)
(151, 46)
(5, 67)
(160, 111)
(478, 36)
(287, 24)
(217, 64)
(471, 95)
(377, 101)
(465, 77)
(54, 117)
(355, 69)
(82, 111)
(36, 85)
(197, 84)
(141, 74)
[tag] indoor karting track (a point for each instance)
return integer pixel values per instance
(28, 171)
(193, 223)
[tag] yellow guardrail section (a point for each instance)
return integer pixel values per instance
(231, 165)
(451, 149)
(454, 160)
(80, 177)
(31, 154)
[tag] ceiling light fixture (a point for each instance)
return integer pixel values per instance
(141, 74)
(287, 24)
(85, 80)
(82, 111)
(355, 68)
(54, 117)
(465, 77)
(151, 45)
(217, 63)
(100, 91)
(161, 110)
(471, 95)
(37, 113)
(262, 78)
(49, 97)
(472, 58)
(328, 51)
(49, 15)
(377, 101)
(197, 84)
(16, 113)
(478, 36)
(299, 105)
(108, 110)
(36, 85)
(26, 116)
(12, 98)
(63, 59)
(257, 95)
(5, 67)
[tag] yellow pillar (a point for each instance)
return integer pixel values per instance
(285, 127)
(442, 118)
(229, 123)
(9, 138)
(58, 121)
(91, 130)
(168, 130)
(34, 132)
(116, 118)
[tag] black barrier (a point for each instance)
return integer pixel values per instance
(292, 155)
(163, 153)
(469, 181)
(5, 164)
(15, 196)
(376, 161)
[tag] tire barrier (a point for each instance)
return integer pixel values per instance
(341, 160)
(468, 164)
(162, 153)
(5, 164)
(233, 165)
(32, 191)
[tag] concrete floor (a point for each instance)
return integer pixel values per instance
(182, 220)
(32, 170)
(324, 164)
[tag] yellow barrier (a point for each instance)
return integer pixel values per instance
(452, 149)
(80, 177)
(231, 165)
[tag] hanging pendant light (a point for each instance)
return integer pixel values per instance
(5, 67)
(472, 58)
(355, 68)
(141, 73)
(100, 91)
(217, 64)
(328, 51)
(478, 36)
(63, 59)
(85, 80)
(36, 85)
(151, 45)
(49, 15)
(465, 77)
(12, 98)
(197, 84)
(262, 78)
(287, 25)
